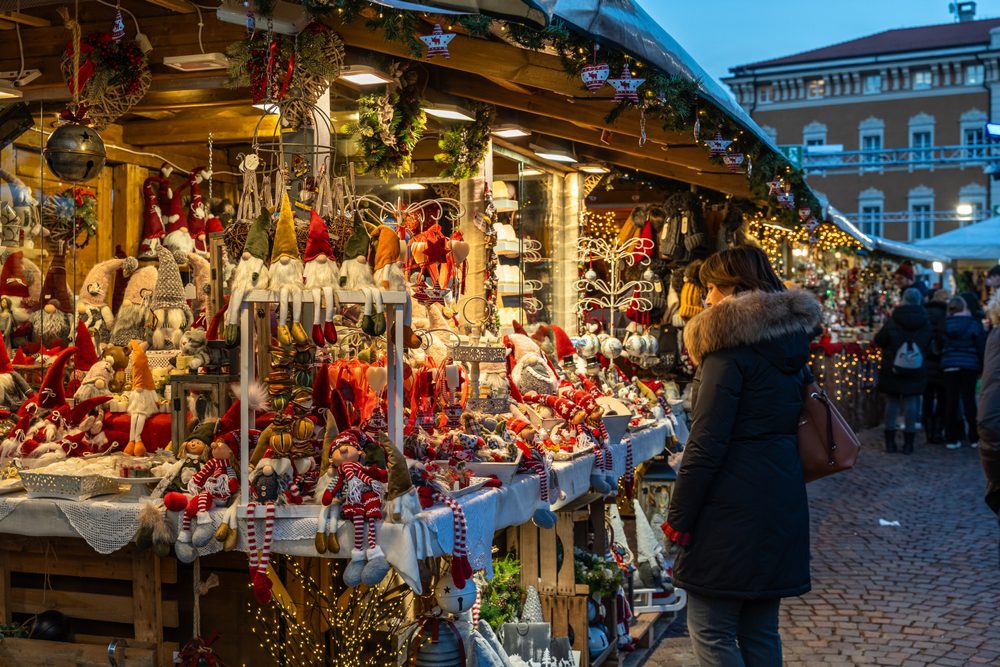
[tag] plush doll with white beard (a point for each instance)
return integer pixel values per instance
(356, 274)
(286, 277)
(389, 275)
(197, 215)
(97, 381)
(14, 389)
(53, 321)
(170, 309)
(92, 303)
(321, 275)
(20, 283)
(250, 273)
(134, 315)
(178, 236)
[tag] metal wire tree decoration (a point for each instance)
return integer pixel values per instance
(614, 294)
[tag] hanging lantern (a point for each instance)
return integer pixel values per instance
(75, 153)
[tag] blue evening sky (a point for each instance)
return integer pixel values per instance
(722, 33)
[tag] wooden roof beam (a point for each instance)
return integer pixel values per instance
(195, 130)
(25, 19)
(179, 6)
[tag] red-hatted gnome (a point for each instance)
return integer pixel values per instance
(197, 213)
(286, 277)
(178, 236)
(14, 389)
(361, 490)
(143, 400)
(250, 273)
(212, 486)
(170, 309)
(92, 303)
(53, 320)
(152, 219)
(322, 275)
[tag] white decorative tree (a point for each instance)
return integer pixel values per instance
(613, 294)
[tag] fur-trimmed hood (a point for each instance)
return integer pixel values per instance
(751, 318)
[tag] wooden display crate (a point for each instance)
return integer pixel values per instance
(118, 596)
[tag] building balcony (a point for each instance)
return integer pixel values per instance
(914, 225)
(829, 158)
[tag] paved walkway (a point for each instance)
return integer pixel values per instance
(925, 593)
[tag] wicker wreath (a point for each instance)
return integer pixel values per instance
(107, 102)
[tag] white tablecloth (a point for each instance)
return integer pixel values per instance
(109, 524)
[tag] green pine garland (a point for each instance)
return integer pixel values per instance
(503, 595)
(463, 146)
(405, 127)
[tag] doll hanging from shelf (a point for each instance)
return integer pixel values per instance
(286, 277)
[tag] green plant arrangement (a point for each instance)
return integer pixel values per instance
(390, 126)
(603, 577)
(503, 596)
(464, 145)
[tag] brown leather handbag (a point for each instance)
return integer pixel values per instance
(827, 444)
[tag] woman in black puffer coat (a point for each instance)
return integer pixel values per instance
(739, 509)
(909, 325)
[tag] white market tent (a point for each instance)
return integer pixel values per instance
(976, 242)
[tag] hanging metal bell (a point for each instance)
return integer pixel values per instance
(75, 153)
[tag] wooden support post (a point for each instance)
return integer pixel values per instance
(4, 586)
(127, 227)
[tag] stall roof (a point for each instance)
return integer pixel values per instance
(979, 241)
(908, 251)
(848, 227)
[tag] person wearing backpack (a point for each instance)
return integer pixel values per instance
(961, 361)
(904, 339)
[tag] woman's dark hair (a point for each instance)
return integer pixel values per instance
(743, 268)
(957, 305)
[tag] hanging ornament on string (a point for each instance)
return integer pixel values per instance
(251, 20)
(696, 130)
(437, 42)
(733, 161)
(749, 166)
(595, 75)
(118, 31)
(774, 187)
(812, 224)
(642, 126)
(626, 88)
(718, 145)
(804, 214)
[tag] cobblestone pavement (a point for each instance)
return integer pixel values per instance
(925, 593)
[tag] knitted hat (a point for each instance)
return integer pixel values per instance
(318, 242)
(644, 249)
(905, 270)
(691, 300)
(5, 365)
(284, 233)
(52, 392)
(360, 239)
(87, 354)
(564, 347)
(54, 288)
(83, 408)
(386, 247)
(257, 243)
(169, 290)
(101, 274)
(142, 377)
(13, 279)
(203, 432)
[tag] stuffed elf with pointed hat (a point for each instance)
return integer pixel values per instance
(286, 277)
(52, 322)
(197, 213)
(321, 275)
(169, 305)
(14, 389)
(356, 274)
(142, 401)
(389, 276)
(92, 302)
(251, 273)
(152, 220)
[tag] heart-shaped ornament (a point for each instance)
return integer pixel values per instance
(595, 76)
(377, 378)
(459, 251)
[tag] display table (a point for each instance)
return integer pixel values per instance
(108, 525)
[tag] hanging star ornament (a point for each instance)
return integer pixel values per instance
(718, 145)
(626, 88)
(804, 213)
(733, 161)
(437, 42)
(697, 127)
(774, 187)
(118, 31)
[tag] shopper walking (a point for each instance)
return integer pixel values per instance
(739, 508)
(989, 411)
(906, 278)
(904, 340)
(961, 361)
(933, 406)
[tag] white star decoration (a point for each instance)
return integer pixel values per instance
(437, 42)
(626, 88)
(718, 145)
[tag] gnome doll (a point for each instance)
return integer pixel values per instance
(53, 320)
(178, 236)
(13, 388)
(250, 273)
(389, 276)
(197, 213)
(142, 401)
(321, 275)
(92, 303)
(86, 355)
(170, 309)
(286, 277)
(134, 314)
(15, 286)
(356, 274)
(152, 220)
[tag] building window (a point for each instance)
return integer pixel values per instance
(973, 133)
(872, 84)
(920, 140)
(816, 88)
(922, 79)
(814, 134)
(765, 94)
(871, 144)
(921, 223)
(974, 75)
(871, 219)
(971, 203)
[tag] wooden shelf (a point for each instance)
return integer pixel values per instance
(609, 652)
(345, 296)
(643, 628)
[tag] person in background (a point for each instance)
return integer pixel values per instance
(906, 278)
(739, 511)
(989, 410)
(975, 305)
(992, 283)
(961, 361)
(934, 399)
(904, 339)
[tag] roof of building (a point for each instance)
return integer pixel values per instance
(900, 40)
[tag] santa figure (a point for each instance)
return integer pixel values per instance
(197, 212)
(14, 390)
(92, 303)
(286, 277)
(15, 287)
(143, 400)
(52, 321)
(152, 220)
(321, 275)
(250, 273)
(170, 309)
(178, 236)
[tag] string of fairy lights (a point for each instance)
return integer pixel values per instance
(600, 224)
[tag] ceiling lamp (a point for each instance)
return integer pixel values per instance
(8, 91)
(448, 112)
(531, 171)
(594, 169)
(363, 75)
(197, 62)
(554, 154)
(411, 186)
(510, 131)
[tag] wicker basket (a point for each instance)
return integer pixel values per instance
(66, 487)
